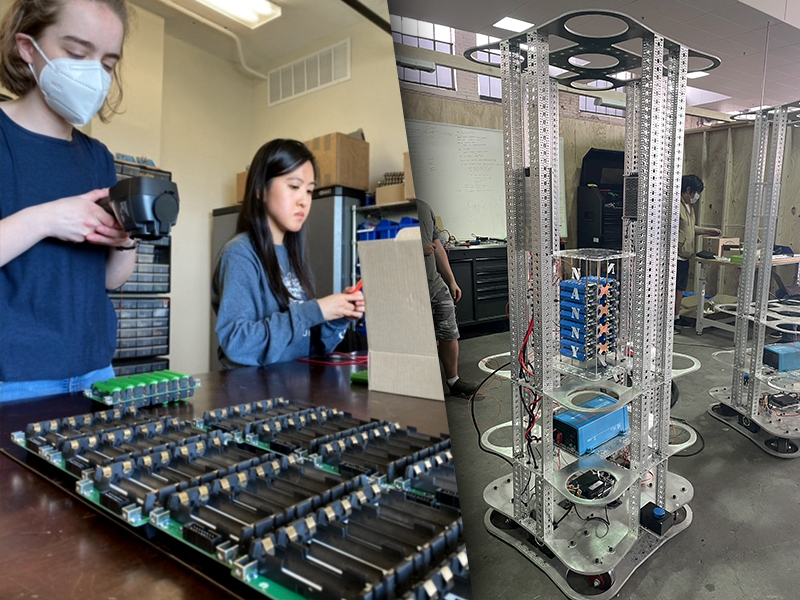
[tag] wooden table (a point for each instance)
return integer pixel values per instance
(54, 546)
(702, 321)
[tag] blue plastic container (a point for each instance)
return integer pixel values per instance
(386, 229)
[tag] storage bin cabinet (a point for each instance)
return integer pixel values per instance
(482, 274)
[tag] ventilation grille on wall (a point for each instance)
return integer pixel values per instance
(322, 69)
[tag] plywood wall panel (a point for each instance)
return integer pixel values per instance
(788, 232)
(741, 151)
(693, 153)
(714, 177)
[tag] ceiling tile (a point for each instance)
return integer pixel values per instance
(653, 12)
(724, 48)
(757, 39)
(686, 34)
(788, 53)
(712, 5)
(782, 90)
(744, 15)
(717, 25)
(784, 32)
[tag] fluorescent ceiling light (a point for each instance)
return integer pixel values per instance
(623, 75)
(251, 13)
(697, 74)
(697, 97)
(578, 62)
(512, 24)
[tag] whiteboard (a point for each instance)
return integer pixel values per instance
(459, 171)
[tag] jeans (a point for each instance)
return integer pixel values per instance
(20, 390)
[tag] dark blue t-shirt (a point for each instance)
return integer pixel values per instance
(56, 320)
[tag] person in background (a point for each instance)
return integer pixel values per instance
(444, 293)
(262, 289)
(59, 250)
(691, 188)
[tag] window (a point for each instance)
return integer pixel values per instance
(421, 34)
(586, 103)
(489, 88)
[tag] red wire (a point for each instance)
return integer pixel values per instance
(348, 360)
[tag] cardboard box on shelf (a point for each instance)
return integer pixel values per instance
(400, 331)
(390, 194)
(408, 179)
(341, 160)
(717, 244)
(241, 180)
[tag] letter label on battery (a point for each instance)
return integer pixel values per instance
(576, 314)
(575, 294)
(574, 351)
(610, 270)
(576, 273)
(575, 333)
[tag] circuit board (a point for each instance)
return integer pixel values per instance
(295, 502)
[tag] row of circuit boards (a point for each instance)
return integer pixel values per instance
(296, 502)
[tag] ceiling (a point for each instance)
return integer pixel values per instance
(734, 32)
(302, 23)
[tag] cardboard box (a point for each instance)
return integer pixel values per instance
(408, 178)
(241, 180)
(341, 160)
(402, 345)
(390, 194)
(717, 245)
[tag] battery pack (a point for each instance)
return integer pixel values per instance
(783, 357)
(583, 432)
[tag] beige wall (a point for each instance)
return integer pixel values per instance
(370, 100)
(206, 136)
(136, 131)
(191, 112)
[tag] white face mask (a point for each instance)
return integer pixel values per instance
(75, 89)
(694, 198)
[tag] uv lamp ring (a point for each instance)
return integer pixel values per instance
(567, 394)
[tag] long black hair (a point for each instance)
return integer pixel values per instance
(274, 159)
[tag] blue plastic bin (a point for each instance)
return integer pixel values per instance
(408, 222)
(387, 229)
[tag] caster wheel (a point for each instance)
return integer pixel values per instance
(600, 582)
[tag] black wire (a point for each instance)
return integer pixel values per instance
(564, 516)
(702, 441)
(472, 412)
(601, 519)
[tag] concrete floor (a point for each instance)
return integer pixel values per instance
(744, 542)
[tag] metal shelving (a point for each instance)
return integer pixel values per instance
(591, 554)
(745, 406)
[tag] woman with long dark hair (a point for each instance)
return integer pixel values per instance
(262, 290)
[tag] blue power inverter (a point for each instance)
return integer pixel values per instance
(583, 432)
